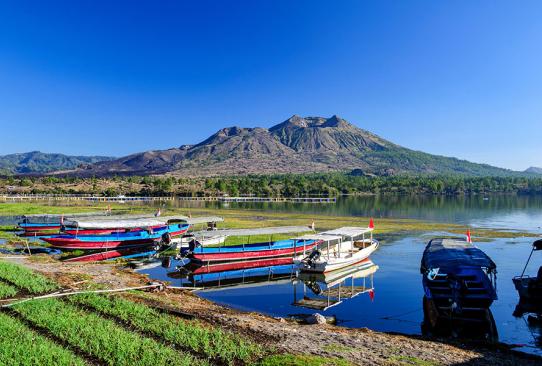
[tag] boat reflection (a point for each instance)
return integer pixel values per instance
(324, 290)
(472, 324)
(238, 274)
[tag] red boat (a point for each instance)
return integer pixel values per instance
(36, 228)
(75, 231)
(281, 248)
(95, 257)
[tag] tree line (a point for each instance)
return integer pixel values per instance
(286, 185)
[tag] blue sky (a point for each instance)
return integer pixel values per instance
(457, 78)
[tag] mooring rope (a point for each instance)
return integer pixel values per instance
(68, 293)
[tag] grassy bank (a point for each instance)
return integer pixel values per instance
(109, 329)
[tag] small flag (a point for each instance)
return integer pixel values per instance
(312, 226)
(372, 295)
(158, 213)
(371, 224)
(469, 240)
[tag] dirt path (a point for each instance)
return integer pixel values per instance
(360, 346)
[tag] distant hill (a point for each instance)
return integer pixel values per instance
(38, 162)
(534, 170)
(297, 145)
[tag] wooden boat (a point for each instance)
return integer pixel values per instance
(100, 256)
(51, 222)
(272, 249)
(529, 288)
(457, 276)
(127, 239)
(339, 248)
(280, 248)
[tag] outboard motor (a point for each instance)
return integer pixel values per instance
(166, 238)
(314, 256)
(166, 262)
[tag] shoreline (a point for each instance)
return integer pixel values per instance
(356, 345)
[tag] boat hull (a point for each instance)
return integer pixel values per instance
(249, 254)
(32, 228)
(77, 244)
(95, 257)
(335, 264)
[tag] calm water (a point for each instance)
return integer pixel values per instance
(396, 304)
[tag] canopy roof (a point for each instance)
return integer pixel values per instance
(454, 253)
(537, 245)
(255, 231)
(132, 221)
(69, 215)
(350, 231)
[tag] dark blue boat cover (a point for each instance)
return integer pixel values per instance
(453, 253)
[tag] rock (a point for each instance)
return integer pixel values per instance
(316, 319)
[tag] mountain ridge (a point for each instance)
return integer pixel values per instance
(296, 145)
(37, 162)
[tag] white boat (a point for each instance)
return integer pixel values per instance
(210, 240)
(340, 248)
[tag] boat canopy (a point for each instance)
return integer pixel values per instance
(537, 245)
(454, 253)
(133, 222)
(256, 231)
(72, 215)
(349, 231)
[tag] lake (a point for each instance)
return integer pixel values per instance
(395, 304)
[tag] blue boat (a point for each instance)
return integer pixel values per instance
(457, 276)
(119, 239)
(272, 249)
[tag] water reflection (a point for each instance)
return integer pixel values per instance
(473, 324)
(236, 274)
(323, 291)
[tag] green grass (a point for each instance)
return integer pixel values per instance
(214, 343)
(7, 290)
(25, 279)
(99, 337)
(24, 347)
(302, 360)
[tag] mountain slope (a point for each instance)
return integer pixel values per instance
(534, 170)
(38, 162)
(297, 145)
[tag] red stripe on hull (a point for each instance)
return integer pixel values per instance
(63, 243)
(41, 228)
(101, 256)
(231, 266)
(237, 256)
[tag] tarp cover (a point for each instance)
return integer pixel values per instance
(257, 231)
(453, 253)
(134, 221)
